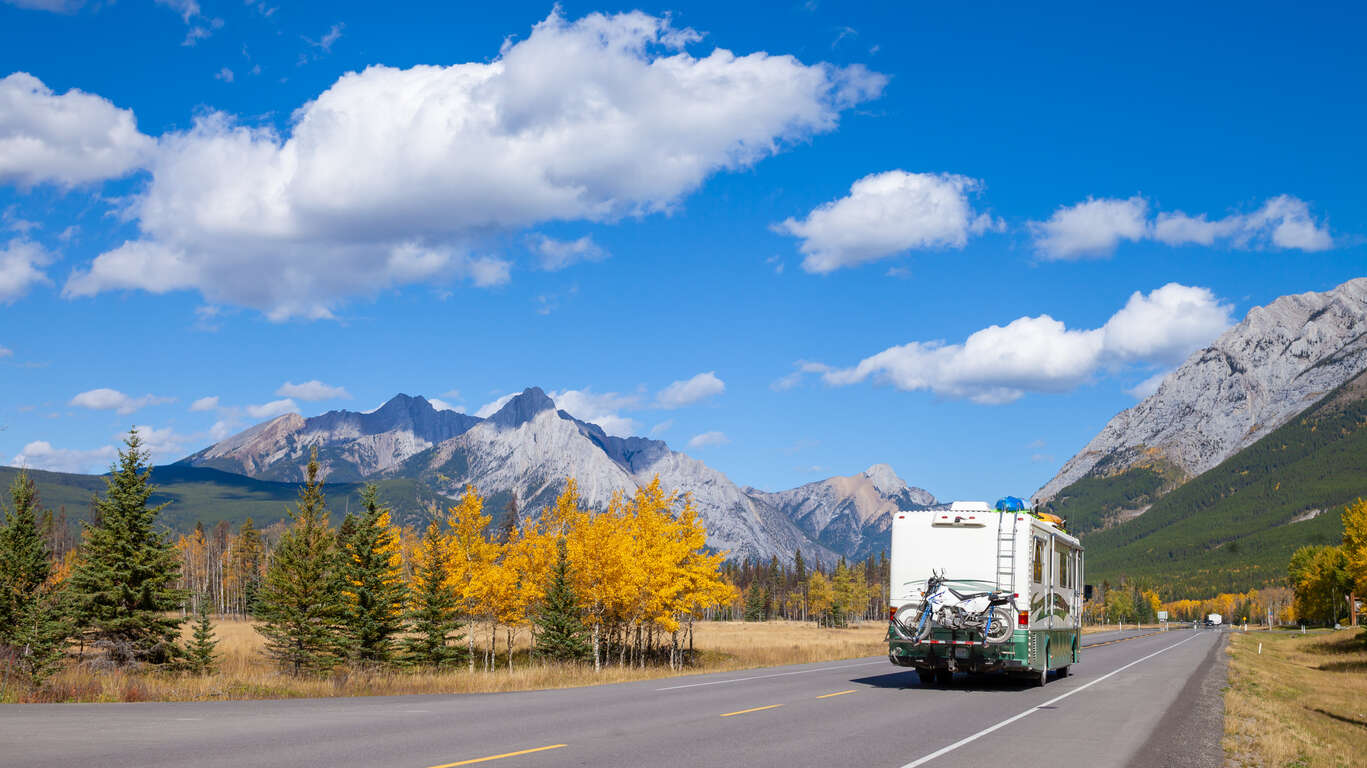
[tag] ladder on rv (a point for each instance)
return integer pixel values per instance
(1006, 552)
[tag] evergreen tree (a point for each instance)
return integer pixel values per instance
(124, 582)
(756, 598)
(24, 565)
(202, 658)
(300, 602)
(373, 592)
(434, 610)
(34, 625)
(562, 636)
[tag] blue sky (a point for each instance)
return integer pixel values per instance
(953, 240)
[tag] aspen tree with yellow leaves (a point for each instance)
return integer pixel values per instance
(472, 559)
(1355, 545)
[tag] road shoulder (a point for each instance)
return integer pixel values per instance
(1191, 731)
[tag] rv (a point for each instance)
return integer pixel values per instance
(1025, 567)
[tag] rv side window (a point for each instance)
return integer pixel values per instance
(1063, 556)
(1039, 561)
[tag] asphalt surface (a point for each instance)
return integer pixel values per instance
(1113, 710)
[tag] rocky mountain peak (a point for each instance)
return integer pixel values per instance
(522, 408)
(1275, 363)
(885, 479)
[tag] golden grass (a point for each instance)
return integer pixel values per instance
(244, 673)
(1301, 703)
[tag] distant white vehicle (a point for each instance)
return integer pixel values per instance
(981, 590)
(1215, 619)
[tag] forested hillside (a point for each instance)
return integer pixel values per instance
(209, 496)
(1234, 527)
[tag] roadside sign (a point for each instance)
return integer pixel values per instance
(1162, 615)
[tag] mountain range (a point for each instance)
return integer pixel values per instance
(1245, 452)
(529, 448)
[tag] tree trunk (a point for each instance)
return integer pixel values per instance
(597, 657)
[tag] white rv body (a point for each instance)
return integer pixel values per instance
(979, 549)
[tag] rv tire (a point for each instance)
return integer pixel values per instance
(927, 676)
(944, 676)
(1061, 671)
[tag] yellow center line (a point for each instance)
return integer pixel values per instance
(728, 714)
(837, 693)
(498, 757)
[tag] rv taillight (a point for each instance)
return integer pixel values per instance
(892, 613)
(1024, 618)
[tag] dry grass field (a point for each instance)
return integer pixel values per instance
(244, 673)
(1301, 703)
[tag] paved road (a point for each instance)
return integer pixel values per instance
(866, 712)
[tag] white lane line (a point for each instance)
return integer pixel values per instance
(762, 677)
(1037, 707)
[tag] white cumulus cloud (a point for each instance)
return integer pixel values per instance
(1095, 227)
(312, 391)
(602, 409)
(999, 364)
(272, 409)
(1091, 228)
(554, 255)
(105, 399)
(1148, 386)
(163, 444)
(392, 176)
(888, 213)
(1282, 222)
(707, 439)
(205, 404)
(21, 265)
(492, 407)
(67, 139)
(690, 391)
(1166, 325)
(40, 454)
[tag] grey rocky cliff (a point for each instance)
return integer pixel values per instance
(1257, 375)
(351, 445)
(849, 515)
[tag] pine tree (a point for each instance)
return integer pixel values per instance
(373, 591)
(34, 625)
(124, 582)
(24, 565)
(434, 610)
(202, 657)
(755, 600)
(562, 635)
(300, 602)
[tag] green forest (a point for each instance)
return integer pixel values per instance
(1234, 527)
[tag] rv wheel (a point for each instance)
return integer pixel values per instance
(944, 676)
(927, 676)
(1061, 671)
(1042, 677)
